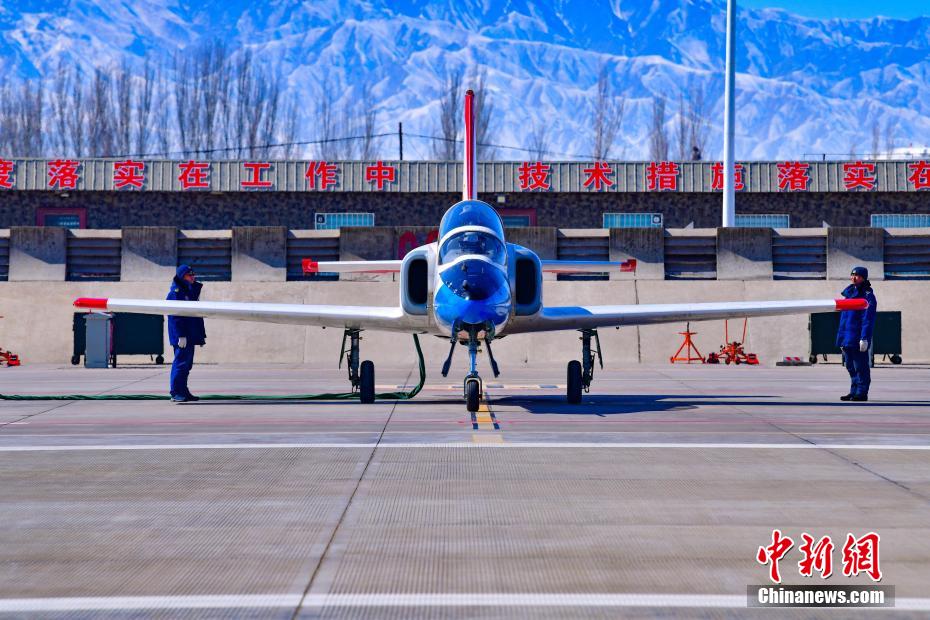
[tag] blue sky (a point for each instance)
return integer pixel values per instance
(905, 9)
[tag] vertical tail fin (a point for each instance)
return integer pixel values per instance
(470, 180)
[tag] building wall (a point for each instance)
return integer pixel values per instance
(202, 210)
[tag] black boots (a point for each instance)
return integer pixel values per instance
(858, 398)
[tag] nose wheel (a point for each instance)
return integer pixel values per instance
(472, 393)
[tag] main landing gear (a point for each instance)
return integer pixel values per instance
(580, 374)
(361, 376)
(472, 387)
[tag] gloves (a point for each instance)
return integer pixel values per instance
(863, 346)
(182, 342)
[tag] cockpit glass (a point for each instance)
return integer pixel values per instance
(471, 213)
(472, 242)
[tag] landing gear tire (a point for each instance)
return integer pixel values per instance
(896, 359)
(75, 360)
(812, 359)
(574, 382)
(367, 382)
(472, 395)
(159, 360)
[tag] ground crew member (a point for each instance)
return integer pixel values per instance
(184, 333)
(854, 336)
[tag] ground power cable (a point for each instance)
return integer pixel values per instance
(333, 396)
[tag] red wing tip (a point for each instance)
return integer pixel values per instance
(91, 303)
(310, 266)
(469, 93)
(628, 265)
(851, 304)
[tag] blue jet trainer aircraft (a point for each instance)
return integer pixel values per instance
(470, 286)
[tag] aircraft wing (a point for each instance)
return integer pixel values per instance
(393, 266)
(589, 317)
(351, 266)
(588, 266)
(384, 318)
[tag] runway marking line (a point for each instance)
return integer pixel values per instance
(485, 438)
(258, 601)
(463, 444)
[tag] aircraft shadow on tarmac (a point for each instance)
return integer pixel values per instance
(607, 404)
(601, 405)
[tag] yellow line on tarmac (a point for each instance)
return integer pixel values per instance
(483, 415)
(484, 419)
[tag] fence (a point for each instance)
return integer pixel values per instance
(208, 252)
(690, 257)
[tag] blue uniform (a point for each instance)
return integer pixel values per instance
(856, 325)
(188, 327)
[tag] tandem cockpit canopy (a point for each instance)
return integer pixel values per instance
(471, 227)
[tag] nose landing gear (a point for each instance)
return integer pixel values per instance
(473, 386)
(580, 374)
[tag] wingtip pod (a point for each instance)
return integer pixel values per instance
(91, 303)
(310, 266)
(628, 266)
(851, 304)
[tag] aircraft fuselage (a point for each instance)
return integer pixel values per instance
(473, 284)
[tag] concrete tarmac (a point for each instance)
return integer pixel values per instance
(651, 499)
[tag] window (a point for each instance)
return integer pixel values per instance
(901, 220)
(516, 221)
(343, 220)
(632, 220)
(66, 217)
(517, 218)
(767, 220)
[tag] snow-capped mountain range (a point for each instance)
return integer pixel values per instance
(805, 86)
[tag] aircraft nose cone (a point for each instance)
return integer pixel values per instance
(476, 280)
(477, 293)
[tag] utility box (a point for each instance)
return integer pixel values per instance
(97, 339)
(886, 335)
